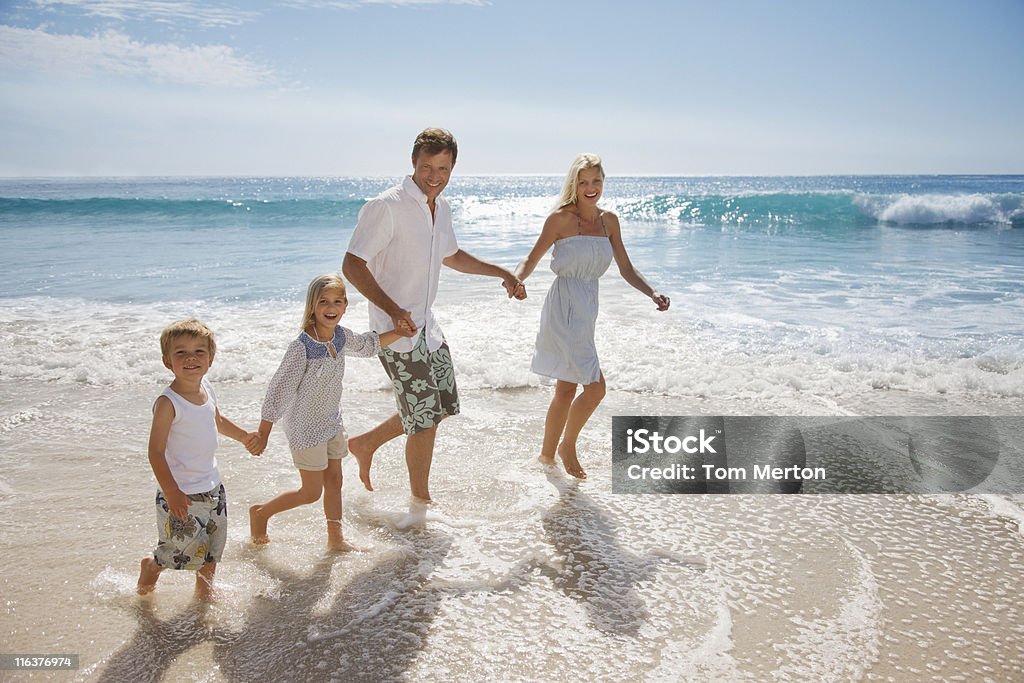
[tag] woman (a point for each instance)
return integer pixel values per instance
(585, 239)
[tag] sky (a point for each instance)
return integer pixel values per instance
(342, 87)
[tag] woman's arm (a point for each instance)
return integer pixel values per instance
(551, 231)
(626, 269)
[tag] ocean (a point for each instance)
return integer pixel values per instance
(816, 296)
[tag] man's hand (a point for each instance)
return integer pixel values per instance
(403, 323)
(515, 287)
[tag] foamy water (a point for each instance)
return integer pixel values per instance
(827, 296)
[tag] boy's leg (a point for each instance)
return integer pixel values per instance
(204, 581)
(149, 572)
(308, 492)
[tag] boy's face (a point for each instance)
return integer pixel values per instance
(188, 357)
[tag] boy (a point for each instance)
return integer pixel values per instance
(191, 506)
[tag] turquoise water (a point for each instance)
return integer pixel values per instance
(874, 273)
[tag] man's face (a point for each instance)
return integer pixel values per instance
(431, 172)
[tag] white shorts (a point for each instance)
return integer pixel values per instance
(315, 457)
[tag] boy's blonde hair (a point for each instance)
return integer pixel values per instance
(190, 327)
(318, 285)
(572, 178)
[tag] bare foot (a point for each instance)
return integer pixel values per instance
(204, 582)
(364, 456)
(572, 464)
(258, 526)
(546, 460)
(336, 540)
(149, 572)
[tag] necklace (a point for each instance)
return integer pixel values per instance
(329, 342)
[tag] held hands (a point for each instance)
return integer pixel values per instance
(254, 443)
(661, 301)
(404, 324)
(515, 287)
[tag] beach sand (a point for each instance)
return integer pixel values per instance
(519, 574)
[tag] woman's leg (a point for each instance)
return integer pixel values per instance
(579, 412)
(554, 422)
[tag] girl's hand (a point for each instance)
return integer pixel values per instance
(661, 301)
(254, 443)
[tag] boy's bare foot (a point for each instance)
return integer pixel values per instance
(204, 582)
(258, 526)
(572, 464)
(149, 572)
(359, 449)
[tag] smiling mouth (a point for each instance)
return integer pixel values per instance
(591, 195)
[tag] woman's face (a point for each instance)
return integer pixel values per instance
(589, 185)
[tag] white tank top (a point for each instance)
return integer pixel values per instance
(192, 442)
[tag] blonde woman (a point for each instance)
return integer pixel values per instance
(585, 238)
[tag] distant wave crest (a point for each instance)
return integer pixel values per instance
(938, 209)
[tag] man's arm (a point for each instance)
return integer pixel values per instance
(355, 271)
(464, 262)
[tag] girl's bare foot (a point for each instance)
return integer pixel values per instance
(357, 446)
(335, 539)
(258, 526)
(572, 465)
(149, 572)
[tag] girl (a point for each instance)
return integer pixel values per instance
(585, 239)
(306, 392)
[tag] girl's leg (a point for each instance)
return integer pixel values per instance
(309, 492)
(580, 411)
(332, 507)
(554, 422)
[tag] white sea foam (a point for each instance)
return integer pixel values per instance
(932, 209)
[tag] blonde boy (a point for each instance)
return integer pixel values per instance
(191, 506)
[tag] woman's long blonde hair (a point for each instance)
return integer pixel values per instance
(572, 179)
(316, 287)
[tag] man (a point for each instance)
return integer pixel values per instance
(394, 259)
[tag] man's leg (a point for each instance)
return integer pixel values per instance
(419, 452)
(363, 446)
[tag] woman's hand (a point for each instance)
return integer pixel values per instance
(661, 301)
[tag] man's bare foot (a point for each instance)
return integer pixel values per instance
(360, 450)
(572, 464)
(258, 526)
(149, 572)
(546, 460)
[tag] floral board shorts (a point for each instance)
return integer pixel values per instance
(424, 384)
(197, 540)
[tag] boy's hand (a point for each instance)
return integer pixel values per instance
(177, 503)
(254, 443)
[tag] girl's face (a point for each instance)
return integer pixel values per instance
(589, 185)
(330, 306)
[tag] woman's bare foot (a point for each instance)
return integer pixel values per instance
(546, 460)
(149, 572)
(258, 526)
(572, 465)
(360, 450)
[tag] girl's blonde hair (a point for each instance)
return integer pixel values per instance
(316, 287)
(572, 179)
